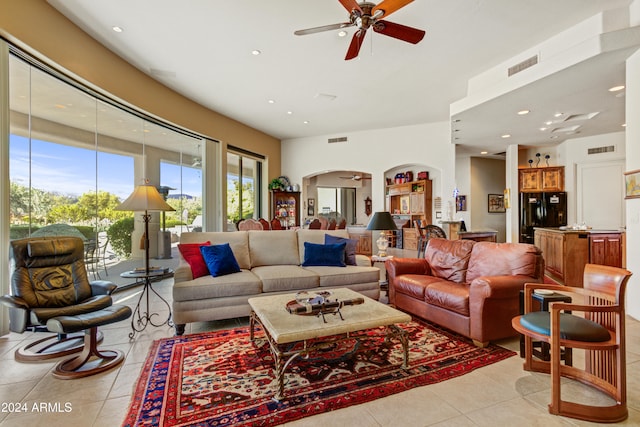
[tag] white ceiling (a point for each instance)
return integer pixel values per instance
(202, 49)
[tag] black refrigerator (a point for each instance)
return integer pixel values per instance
(541, 210)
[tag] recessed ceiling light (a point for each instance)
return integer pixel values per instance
(116, 29)
(255, 52)
(506, 135)
(548, 123)
(289, 112)
(543, 129)
(557, 114)
(306, 122)
(616, 88)
(484, 152)
(624, 125)
(523, 112)
(342, 33)
(271, 101)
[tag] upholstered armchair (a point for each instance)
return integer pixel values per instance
(50, 291)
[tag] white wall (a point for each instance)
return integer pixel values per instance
(488, 178)
(633, 163)
(376, 152)
(573, 152)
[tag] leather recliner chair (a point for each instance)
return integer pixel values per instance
(50, 291)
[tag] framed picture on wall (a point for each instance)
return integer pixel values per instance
(461, 203)
(311, 207)
(496, 203)
(632, 184)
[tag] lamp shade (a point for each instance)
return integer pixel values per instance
(382, 221)
(144, 198)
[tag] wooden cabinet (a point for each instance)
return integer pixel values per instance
(285, 207)
(410, 239)
(410, 201)
(565, 254)
(363, 236)
(606, 249)
(451, 229)
(541, 179)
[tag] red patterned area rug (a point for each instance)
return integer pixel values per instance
(223, 379)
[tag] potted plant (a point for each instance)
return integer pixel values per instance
(276, 185)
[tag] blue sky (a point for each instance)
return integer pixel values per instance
(72, 170)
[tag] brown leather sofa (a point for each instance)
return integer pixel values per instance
(472, 288)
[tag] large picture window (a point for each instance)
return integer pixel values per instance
(75, 156)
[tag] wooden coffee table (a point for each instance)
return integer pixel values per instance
(282, 329)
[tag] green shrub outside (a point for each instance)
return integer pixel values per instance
(87, 231)
(120, 236)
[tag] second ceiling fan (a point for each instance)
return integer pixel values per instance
(367, 15)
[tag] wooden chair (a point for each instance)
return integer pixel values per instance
(332, 224)
(315, 224)
(265, 224)
(250, 224)
(600, 331)
(342, 224)
(425, 233)
(324, 223)
(276, 224)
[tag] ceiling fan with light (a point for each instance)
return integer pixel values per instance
(367, 15)
(355, 177)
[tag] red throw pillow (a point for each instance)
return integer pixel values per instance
(191, 253)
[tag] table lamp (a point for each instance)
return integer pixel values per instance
(384, 222)
(145, 198)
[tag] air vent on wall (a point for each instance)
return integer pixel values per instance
(522, 65)
(599, 150)
(334, 140)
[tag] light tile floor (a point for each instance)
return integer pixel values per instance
(501, 394)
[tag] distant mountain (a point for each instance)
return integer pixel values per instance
(179, 196)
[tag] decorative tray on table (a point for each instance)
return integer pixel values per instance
(319, 304)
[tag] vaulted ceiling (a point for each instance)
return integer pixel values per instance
(300, 86)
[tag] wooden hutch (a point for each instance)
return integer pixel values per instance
(410, 201)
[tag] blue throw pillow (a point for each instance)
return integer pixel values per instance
(324, 255)
(220, 259)
(349, 250)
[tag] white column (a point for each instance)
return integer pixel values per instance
(632, 100)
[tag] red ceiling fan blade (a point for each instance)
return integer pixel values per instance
(356, 44)
(398, 31)
(351, 5)
(387, 7)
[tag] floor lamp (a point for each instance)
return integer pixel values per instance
(145, 198)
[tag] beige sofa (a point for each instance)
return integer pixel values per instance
(270, 263)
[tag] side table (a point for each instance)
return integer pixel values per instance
(378, 261)
(543, 352)
(140, 319)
